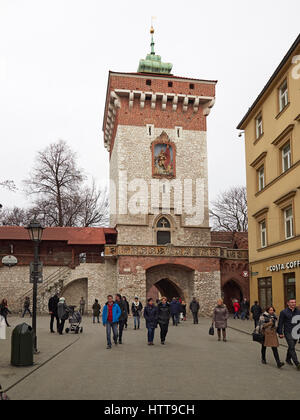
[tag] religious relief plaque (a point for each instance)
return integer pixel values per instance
(163, 157)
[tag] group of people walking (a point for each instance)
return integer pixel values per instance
(272, 328)
(158, 314)
(115, 316)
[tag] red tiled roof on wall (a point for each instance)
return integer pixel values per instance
(72, 235)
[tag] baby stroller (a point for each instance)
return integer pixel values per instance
(75, 321)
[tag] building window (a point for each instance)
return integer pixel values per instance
(283, 96)
(178, 131)
(286, 157)
(148, 82)
(289, 286)
(170, 84)
(150, 130)
(163, 232)
(192, 86)
(259, 126)
(289, 223)
(265, 292)
(261, 178)
(263, 234)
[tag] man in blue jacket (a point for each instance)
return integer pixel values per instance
(110, 318)
(285, 329)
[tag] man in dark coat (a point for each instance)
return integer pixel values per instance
(175, 309)
(164, 315)
(256, 313)
(123, 316)
(128, 311)
(245, 308)
(26, 307)
(96, 311)
(285, 329)
(151, 315)
(52, 306)
(195, 307)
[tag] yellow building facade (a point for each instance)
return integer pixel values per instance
(272, 138)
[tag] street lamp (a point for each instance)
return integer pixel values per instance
(35, 231)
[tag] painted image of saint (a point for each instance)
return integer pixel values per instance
(163, 159)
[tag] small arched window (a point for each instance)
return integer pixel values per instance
(163, 231)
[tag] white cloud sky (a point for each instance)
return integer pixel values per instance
(55, 56)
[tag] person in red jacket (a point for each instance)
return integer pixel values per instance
(237, 308)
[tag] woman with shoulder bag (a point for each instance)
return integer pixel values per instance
(220, 318)
(267, 325)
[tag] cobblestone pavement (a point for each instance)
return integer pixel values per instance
(192, 365)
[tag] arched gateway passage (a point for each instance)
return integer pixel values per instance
(170, 281)
(231, 291)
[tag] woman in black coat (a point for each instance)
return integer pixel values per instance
(150, 315)
(164, 315)
(4, 311)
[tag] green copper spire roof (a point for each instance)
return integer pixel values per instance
(153, 63)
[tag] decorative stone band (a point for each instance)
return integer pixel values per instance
(175, 251)
(157, 99)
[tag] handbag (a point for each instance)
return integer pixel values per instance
(211, 330)
(258, 337)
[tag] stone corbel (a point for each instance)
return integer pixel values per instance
(153, 101)
(175, 103)
(185, 104)
(164, 102)
(206, 111)
(142, 100)
(131, 100)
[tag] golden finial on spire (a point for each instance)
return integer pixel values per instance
(152, 27)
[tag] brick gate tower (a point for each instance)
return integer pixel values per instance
(155, 132)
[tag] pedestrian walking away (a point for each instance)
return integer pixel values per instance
(123, 316)
(26, 307)
(245, 308)
(285, 329)
(128, 311)
(82, 306)
(96, 311)
(136, 310)
(110, 317)
(62, 313)
(52, 306)
(163, 317)
(175, 308)
(183, 310)
(194, 308)
(267, 326)
(256, 313)
(151, 317)
(4, 311)
(220, 317)
(237, 308)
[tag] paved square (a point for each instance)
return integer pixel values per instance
(192, 365)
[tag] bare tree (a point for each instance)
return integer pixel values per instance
(62, 199)
(14, 217)
(55, 179)
(229, 212)
(10, 185)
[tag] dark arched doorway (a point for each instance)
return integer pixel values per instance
(170, 280)
(168, 289)
(231, 291)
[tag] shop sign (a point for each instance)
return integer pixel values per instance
(282, 267)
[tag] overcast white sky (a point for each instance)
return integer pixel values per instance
(55, 56)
